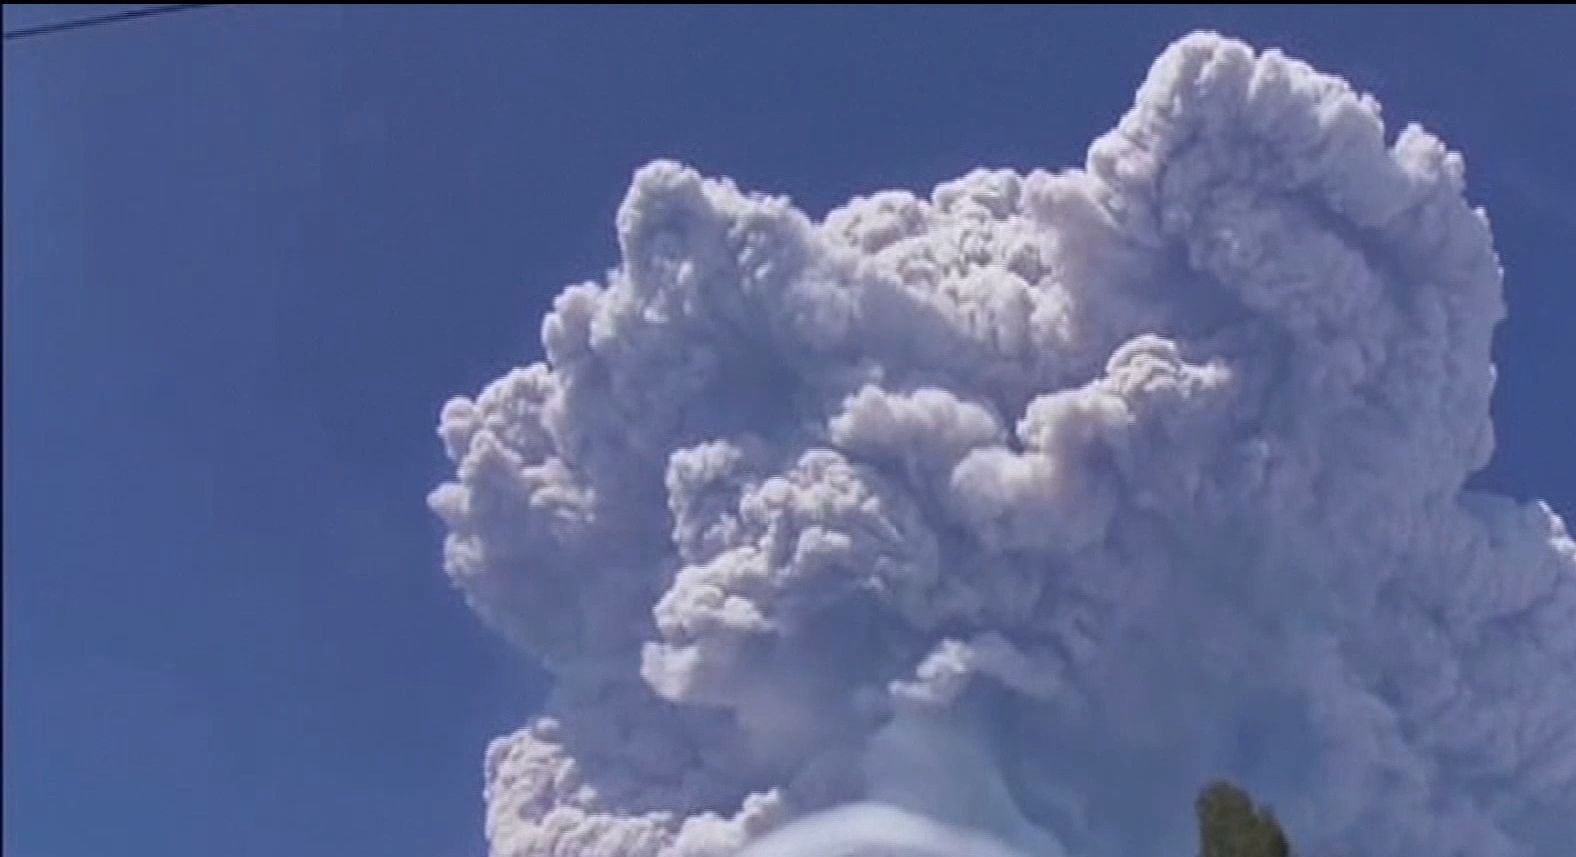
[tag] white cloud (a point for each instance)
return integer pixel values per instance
(1133, 476)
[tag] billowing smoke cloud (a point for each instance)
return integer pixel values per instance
(998, 522)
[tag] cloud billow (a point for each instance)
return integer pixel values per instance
(997, 522)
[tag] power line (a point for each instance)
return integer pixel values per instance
(96, 20)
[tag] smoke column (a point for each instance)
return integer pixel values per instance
(997, 522)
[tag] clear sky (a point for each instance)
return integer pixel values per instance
(250, 251)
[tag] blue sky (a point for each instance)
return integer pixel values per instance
(250, 251)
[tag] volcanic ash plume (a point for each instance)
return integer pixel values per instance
(998, 522)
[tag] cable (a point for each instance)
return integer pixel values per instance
(111, 18)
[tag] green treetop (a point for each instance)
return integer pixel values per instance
(1231, 825)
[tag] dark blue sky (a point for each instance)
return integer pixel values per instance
(250, 251)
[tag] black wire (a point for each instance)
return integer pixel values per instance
(111, 18)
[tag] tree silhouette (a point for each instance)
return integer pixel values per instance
(1231, 825)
